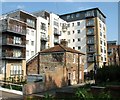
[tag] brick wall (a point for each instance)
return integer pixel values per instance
(57, 68)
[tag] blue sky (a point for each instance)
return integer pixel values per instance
(110, 9)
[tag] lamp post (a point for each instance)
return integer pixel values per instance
(95, 66)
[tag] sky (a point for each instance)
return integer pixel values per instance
(110, 9)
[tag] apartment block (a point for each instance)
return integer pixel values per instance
(86, 32)
(12, 48)
(113, 53)
(30, 21)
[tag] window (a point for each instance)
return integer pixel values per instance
(27, 42)
(43, 26)
(32, 32)
(32, 43)
(17, 53)
(78, 23)
(68, 32)
(31, 23)
(89, 13)
(100, 25)
(73, 32)
(73, 40)
(101, 49)
(55, 23)
(78, 15)
(90, 31)
(17, 40)
(72, 16)
(27, 53)
(16, 69)
(104, 36)
(90, 40)
(78, 31)
(101, 41)
(79, 47)
(68, 16)
(68, 25)
(79, 39)
(100, 33)
(72, 24)
(55, 30)
(90, 22)
(32, 53)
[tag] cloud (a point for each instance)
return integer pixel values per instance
(20, 7)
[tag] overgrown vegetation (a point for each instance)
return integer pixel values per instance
(108, 74)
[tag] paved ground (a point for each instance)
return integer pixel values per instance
(9, 96)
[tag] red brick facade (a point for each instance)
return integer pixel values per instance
(59, 68)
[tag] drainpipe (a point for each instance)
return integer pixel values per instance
(38, 63)
(5, 72)
(78, 68)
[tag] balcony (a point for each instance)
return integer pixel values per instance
(90, 59)
(89, 14)
(10, 55)
(16, 72)
(90, 24)
(11, 42)
(57, 33)
(44, 38)
(90, 32)
(56, 41)
(90, 42)
(14, 26)
(90, 51)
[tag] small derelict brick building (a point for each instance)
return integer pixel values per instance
(61, 66)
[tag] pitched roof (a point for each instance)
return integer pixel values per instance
(61, 48)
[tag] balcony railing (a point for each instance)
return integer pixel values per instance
(90, 42)
(16, 72)
(90, 59)
(14, 26)
(44, 38)
(56, 41)
(57, 33)
(90, 51)
(10, 55)
(11, 42)
(90, 24)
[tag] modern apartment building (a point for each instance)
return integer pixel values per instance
(42, 29)
(86, 32)
(113, 53)
(12, 48)
(30, 21)
(53, 25)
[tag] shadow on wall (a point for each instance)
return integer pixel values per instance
(51, 83)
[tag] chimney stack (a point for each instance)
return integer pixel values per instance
(64, 42)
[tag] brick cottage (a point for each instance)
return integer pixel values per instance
(60, 65)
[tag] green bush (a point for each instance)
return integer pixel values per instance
(108, 74)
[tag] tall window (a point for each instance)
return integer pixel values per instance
(43, 26)
(32, 43)
(17, 53)
(78, 23)
(78, 31)
(16, 69)
(31, 23)
(17, 40)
